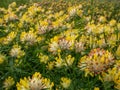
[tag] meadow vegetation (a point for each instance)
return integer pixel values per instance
(59, 45)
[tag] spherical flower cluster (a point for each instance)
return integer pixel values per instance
(28, 37)
(42, 27)
(96, 62)
(64, 41)
(37, 82)
(53, 46)
(16, 51)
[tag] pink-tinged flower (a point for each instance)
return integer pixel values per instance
(96, 62)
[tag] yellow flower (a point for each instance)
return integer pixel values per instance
(12, 5)
(23, 84)
(112, 40)
(118, 51)
(2, 58)
(28, 37)
(53, 45)
(8, 83)
(96, 88)
(117, 80)
(50, 65)
(102, 19)
(112, 75)
(33, 10)
(55, 24)
(80, 13)
(26, 18)
(59, 61)
(1, 21)
(21, 8)
(109, 76)
(9, 38)
(64, 44)
(20, 25)
(37, 82)
(65, 82)
(112, 23)
(101, 43)
(69, 60)
(96, 62)
(16, 51)
(72, 11)
(91, 28)
(43, 58)
(10, 16)
(58, 14)
(39, 39)
(48, 84)
(79, 46)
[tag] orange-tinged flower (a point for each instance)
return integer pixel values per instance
(96, 62)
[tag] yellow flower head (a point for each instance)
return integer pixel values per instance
(48, 84)
(2, 58)
(59, 61)
(79, 46)
(69, 60)
(102, 19)
(37, 82)
(65, 82)
(96, 62)
(9, 38)
(53, 45)
(43, 58)
(72, 11)
(112, 23)
(23, 84)
(28, 37)
(118, 51)
(96, 88)
(112, 75)
(8, 83)
(50, 65)
(16, 51)
(65, 43)
(12, 5)
(109, 76)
